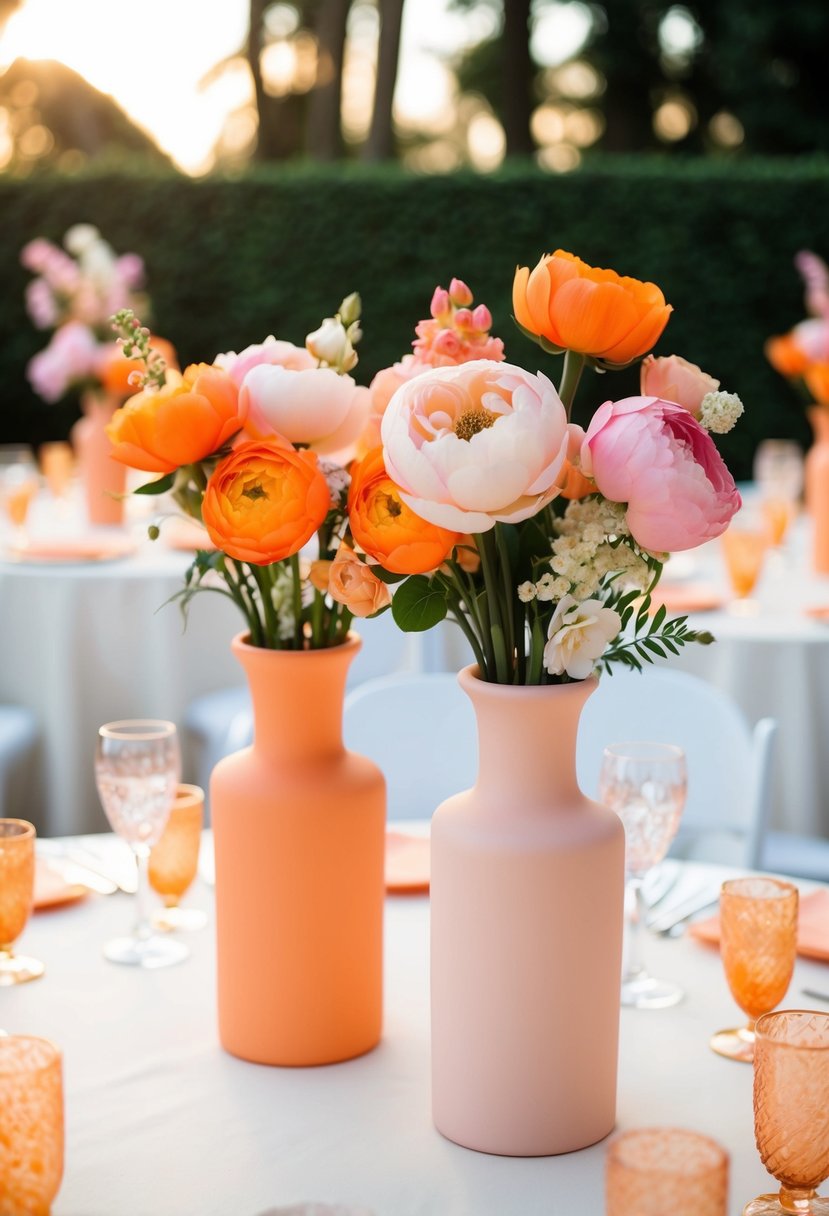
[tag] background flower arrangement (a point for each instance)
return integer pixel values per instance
(802, 355)
(75, 291)
(543, 540)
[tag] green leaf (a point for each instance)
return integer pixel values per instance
(658, 618)
(157, 487)
(418, 605)
(387, 576)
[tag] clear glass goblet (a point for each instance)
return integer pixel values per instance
(645, 784)
(791, 1110)
(18, 485)
(137, 771)
(778, 474)
(758, 943)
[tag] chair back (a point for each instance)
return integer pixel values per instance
(420, 730)
(729, 763)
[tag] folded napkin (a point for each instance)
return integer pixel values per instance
(52, 889)
(686, 597)
(407, 864)
(74, 549)
(317, 1209)
(812, 927)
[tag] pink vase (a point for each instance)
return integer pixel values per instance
(104, 479)
(527, 901)
(817, 488)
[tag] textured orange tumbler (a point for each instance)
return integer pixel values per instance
(666, 1171)
(31, 1125)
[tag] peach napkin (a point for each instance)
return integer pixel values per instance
(687, 597)
(812, 927)
(74, 549)
(407, 864)
(51, 888)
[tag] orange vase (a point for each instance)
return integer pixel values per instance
(104, 479)
(817, 488)
(527, 899)
(299, 831)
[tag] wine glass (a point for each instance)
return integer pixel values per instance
(174, 860)
(791, 1110)
(744, 544)
(17, 880)
(137, 770)
(645, 784)
(18, 486)
(758, 943)
(778, 474)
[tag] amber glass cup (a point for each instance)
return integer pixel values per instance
(17, 881)
(744, 549)
(31, 1134)
(174, 860)
(57, 465)
(791, 1110)
(661, 1170)
(758, 943)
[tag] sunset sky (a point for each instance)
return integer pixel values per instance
(153, 65)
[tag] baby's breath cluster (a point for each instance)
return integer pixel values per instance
(134, 340)
(719, 412)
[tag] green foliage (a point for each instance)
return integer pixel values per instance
(418, 604)
(232, 260)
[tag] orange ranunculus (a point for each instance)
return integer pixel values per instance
(353, 583)
(190, 417)
(787, 356)
(467, 555)
(593, 312)
(573, 482)
(817, 381)
(115, 369)
(386, 528)
(264, 501)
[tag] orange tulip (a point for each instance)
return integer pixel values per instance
(386, 528)
(264, 501)
(115, 369)
(573, 306)
(787, 356)
(353, 583)
(191, 417)
(817, 381)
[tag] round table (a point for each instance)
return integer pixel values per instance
(86, 642)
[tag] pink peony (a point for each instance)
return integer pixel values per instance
(475, 444)
(673, 378)
(72, 355)
(315, 406)
(272, 352)
(654, 456)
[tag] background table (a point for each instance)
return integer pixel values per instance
(88, 642)
(160, 1120)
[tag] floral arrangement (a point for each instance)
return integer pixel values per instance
(482, 501)
(75, 291)
(802, 355)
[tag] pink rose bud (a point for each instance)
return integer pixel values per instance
(482, 319)
(447, 343)
(440, 306)
(459, 293)
(463, 319)
(673, 378)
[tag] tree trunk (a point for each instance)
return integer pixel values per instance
(279, 133)
(518, 73)
(325, 141)
(380, 143)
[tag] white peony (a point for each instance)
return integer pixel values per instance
(577, 636)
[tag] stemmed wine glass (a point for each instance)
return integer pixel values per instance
(137, 771)
(645, 784)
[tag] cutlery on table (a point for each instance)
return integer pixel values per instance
(815, 995)
(73, 873)
(670, 919)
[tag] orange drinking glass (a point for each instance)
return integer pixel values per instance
(791, 1110)
(17, 880)
(57, 464)
(758, 941)
(31, 1141)
(661, 1170)
(174, 860)
(778, 514)
(744, 549)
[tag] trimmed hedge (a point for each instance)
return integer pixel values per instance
(231, 260)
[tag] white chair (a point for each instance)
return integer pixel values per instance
(729, 762)
(18, 738)
(420, 730)
(219, 723)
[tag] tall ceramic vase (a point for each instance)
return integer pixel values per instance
(817, 488)
(104, 479)
(299, 832)
(527, 896)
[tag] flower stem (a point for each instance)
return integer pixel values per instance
(296, 588)
(502, 672)
(570, 376)
(264, 580)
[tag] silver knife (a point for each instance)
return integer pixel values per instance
(698, 902)
(815, 995)
(74, 873)
(120, 875)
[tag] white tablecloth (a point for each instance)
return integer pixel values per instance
(161, 1122)
(774, 663)
(86, 643)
